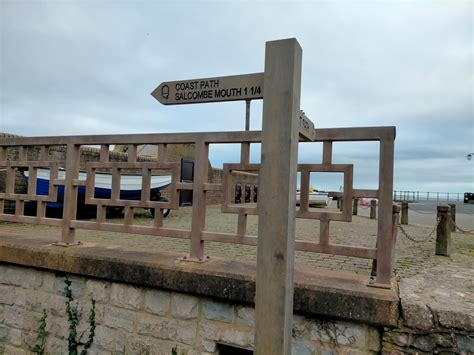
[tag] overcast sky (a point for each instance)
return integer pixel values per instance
(88, 67)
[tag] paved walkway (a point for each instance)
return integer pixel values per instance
(411, 258)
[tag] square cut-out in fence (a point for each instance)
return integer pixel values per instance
(122, 195)
(305, 170)
(247, 176)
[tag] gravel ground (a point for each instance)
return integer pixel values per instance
(411, 258)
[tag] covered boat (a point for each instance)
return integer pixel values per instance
(130, 186)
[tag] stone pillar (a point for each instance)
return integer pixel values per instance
(443, 231)
(355, 206)
(373, 209)
(341, 204)
(404, 219)
(276, 229)
(453, 216)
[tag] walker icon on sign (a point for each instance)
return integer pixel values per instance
(165, 91)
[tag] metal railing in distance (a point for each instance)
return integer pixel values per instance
(406, 195)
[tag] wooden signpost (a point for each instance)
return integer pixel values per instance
(283, 125)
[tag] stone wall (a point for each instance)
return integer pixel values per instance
(141, 320)
(436, 313)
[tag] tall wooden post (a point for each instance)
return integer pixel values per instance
(276, 230)
(70, 193)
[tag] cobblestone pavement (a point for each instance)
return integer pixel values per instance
(411, 258)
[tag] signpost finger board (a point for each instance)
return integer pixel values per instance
(223, 88)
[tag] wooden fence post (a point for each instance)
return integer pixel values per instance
(443, 231)
(355, 206)
(404, 219)
(453, 216)
(373, 209)
(278, 171)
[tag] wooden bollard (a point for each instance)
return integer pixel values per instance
(355, 206)
(453, 216)
(373, 209)
(443, 231)
(404, 218)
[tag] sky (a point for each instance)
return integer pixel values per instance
(88, 67)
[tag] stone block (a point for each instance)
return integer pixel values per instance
(14, 336)
(94, 350)
(300, 327)
(235, 337)
(444, 340)
(98, 290)
(465, 343)
(21, 276)
(417, 315)
(157, 302)
(7, 295)
(424, 343)
(119, 318)
(112, 340)
(57, 305)
(209, 331)
(3, 333)
(301, 349)
(28, 338)
(209, 346)
(245, 316)
(450, 319)
(374, 339)
(186, 331)
(137, 345)
(223, 312)
(77, 287)
(126, 296)
(57, 326)
(351, 335)
(49, 282)
(157, 327)
(11, 350)
(397, 338)
(20, 318)
(184, 306)
(323, 332)
(35, 300)
(354, 352)
(55, 345)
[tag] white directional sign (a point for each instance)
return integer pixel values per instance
(224, 88)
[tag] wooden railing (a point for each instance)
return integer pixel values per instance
(197, 234)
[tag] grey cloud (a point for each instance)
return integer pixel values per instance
(89, 68)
